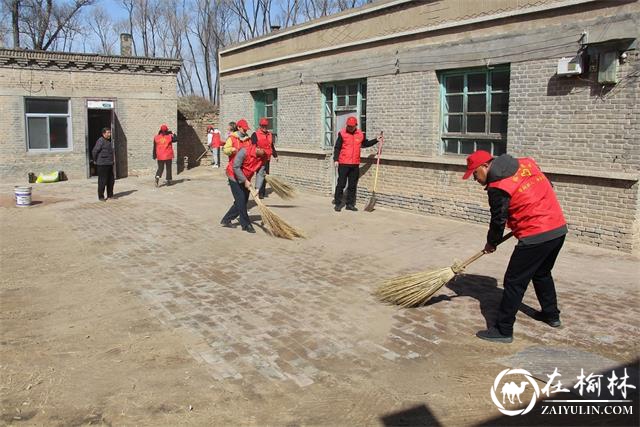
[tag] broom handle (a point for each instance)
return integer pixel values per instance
(375, 181)
(479, 254)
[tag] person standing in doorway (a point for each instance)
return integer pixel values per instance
(163, 152)
(103, 156)
(263, 138)
(346, 157)
(521, 197)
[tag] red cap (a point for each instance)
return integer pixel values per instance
(264, 121)
(242, 123)
(164, 128)
(352, 121)
(476, 159)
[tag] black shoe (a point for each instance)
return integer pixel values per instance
(333, 202)
(249, 229)
(554, 323)
(494, 335)
(337, 207)
(157, 180)
(352, 208)
(168, 183)
(102, 199)
(226, 223)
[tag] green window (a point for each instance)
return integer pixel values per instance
(266, 105)
(475, 109)
(342, 99)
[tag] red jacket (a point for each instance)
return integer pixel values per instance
(350, 150)
(215, 139)
(265, 141)
(533, 208)
(250, 165)
(164, 149)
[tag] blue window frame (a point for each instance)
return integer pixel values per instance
(475, 110)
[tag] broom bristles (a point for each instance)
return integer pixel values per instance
(281, 188)
(276, 225)
(415, 289)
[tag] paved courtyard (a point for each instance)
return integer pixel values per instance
(143, 310)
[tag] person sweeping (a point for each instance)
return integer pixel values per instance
(263, 138)
(346, 157)
(246, 162)
(521, 197)
(163, 152)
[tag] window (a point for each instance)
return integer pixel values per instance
(266, 103)
(475, 108)
(48, 124)
(340, 100)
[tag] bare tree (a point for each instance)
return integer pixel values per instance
(42, 21)
(101, 24)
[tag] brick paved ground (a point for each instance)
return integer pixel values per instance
(290, 328)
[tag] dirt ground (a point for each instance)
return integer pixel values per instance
(143, 311)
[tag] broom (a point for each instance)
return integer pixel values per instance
(281, 188)
(415, 289)
(372, 200)
(276, 225)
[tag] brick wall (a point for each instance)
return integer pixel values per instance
(143, 101)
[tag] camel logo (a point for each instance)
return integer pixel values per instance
(512, 392)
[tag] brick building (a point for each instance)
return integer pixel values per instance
(552, 79)
(53, 106)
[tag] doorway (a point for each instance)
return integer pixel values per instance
(97, 119)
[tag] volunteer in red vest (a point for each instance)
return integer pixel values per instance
(346, 157)
(214, 142)
(237, 139)
(163, 152)
(521, 197)
(263, 138)
(246, 162)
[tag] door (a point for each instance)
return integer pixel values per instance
(97, 119)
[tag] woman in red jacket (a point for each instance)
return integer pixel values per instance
(163, 152)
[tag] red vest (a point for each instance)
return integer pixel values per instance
(250, 165)
(265, 141)
(533, 208)
(237, 144)
(164, 149)
(350, 152)
(215, 140)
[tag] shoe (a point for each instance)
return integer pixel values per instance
(352, 208)
(260, 197)
(101, 199)
(494, 335)
(157, 180)
(333, 202)
(554, 323)
(168, 183)
(249, 229)
(226, 223)
(338, 207)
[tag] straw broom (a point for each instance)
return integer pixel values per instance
(372, 201)
(281, 188)
(276, 225)
(415, 289)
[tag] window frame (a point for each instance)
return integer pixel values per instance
(46, 116)
(260, 108)
(329, 130)
(479, 140)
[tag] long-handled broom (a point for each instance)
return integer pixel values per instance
(414, 290)
(281, 188)
(372, 200)
(276, 225)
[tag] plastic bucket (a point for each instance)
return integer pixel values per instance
(23, 196)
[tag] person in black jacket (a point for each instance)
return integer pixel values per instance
(103, 156)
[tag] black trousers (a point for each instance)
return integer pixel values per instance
(105, 179)
(262, 191)
(350, 174)
(161, 165)
(239, 208)
(529, 263)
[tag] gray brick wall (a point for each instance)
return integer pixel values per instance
(143, 102)
(300, 117)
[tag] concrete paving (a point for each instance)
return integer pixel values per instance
(294, 323)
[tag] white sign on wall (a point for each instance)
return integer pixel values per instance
(100, 105)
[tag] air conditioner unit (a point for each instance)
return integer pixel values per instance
(570, 66)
